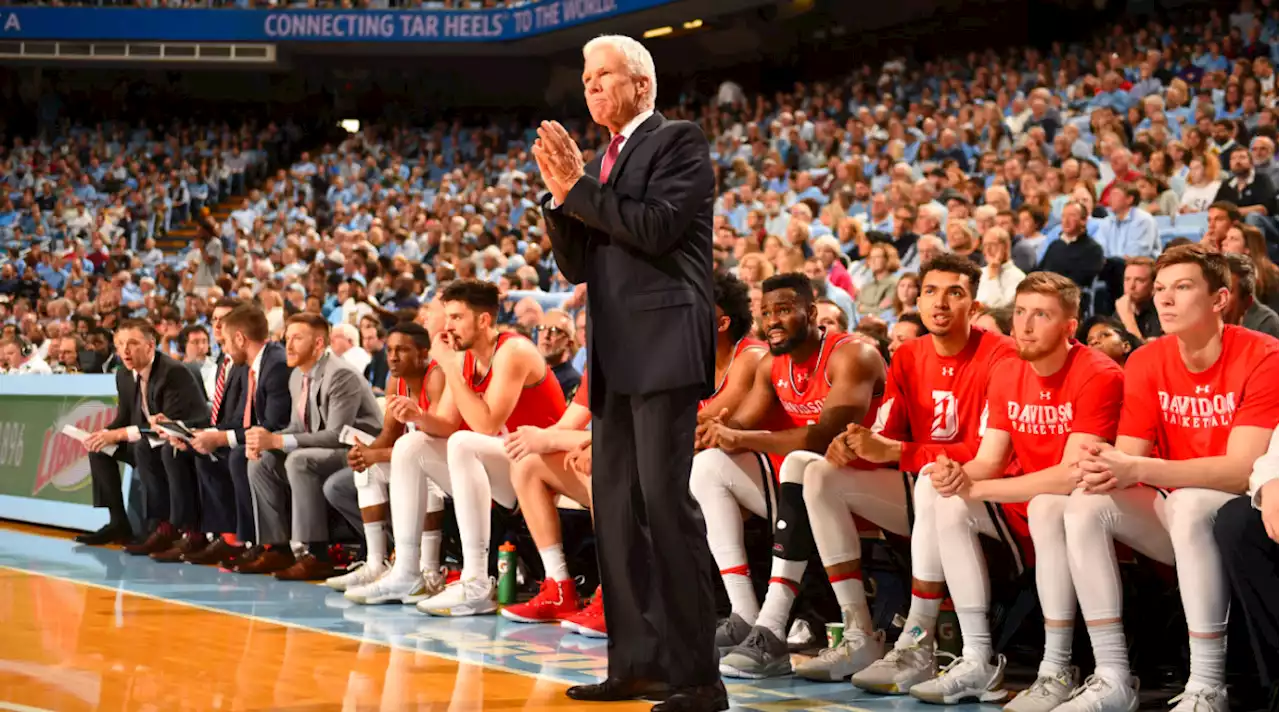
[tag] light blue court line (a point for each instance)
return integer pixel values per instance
(542, 651)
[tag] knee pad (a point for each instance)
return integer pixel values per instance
(792, 536)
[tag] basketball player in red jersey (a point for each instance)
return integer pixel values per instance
(494, 383)
(414, 376)
(1205, 394)
(806, 391)
(737, 354)
(539, 470)
(1059, 397)
(935, 404)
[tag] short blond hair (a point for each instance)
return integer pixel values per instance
(1052, 284)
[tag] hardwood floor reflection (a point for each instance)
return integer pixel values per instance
(73, 648)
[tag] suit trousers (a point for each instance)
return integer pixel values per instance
(288, 491)
(184, 488)
(651, 539)
(341, 493)
(1250, 559)
(151, 464)
(246, 506)
(217, 494)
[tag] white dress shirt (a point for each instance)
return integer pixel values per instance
(255, 370)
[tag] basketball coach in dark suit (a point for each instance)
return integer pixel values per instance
(635, 225)
(150, 384)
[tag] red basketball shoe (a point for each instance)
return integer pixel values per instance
(556, 601)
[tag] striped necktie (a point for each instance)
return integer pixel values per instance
(220, 387)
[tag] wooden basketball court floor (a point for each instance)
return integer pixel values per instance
(89, 628)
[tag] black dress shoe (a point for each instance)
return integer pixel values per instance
(616, 689)
(112, 533)
(708, 698)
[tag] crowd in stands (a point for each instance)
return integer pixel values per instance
(1072, 159)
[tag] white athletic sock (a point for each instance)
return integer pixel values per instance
(923, 614)
(429, 559)
(742, 594)
(723, 516)
(554, 563)
(976, 631)
(375, 539)
(1057, 650)
(1208, 661)
(784, 583)
(1109, 652)
(852, 596)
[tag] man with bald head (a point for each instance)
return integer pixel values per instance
(528, 314)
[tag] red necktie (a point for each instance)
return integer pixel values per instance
(220, 389)
(610, 157)
(248, 402)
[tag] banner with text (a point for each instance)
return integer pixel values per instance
(36, 459)
(201, 25)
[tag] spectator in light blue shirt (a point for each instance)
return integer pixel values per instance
(1129, 231)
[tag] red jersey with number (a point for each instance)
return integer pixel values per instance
(938, 404)
(744, 344)
(1189, 415)
(540, 404)
(424, 402)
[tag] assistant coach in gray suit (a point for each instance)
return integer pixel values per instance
(288, 469)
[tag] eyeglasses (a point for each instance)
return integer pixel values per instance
(551, 331)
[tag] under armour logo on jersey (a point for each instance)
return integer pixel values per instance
(1203, 389)
(948, 370)
(1046, 395)
(782, 383)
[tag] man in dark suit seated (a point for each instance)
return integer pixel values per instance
(263, 400)
(151, 385)
(288, 467)
(226, 502)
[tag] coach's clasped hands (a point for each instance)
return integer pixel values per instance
(559, 159)
(259, 440)
(1104, 468)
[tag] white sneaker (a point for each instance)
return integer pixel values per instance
(472, 597)
(396, 588)
(1102, 694)
(909, 663)
(1046, 693)
(359, 574)
(857, 651)
(965, 679)
(1201, 699)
